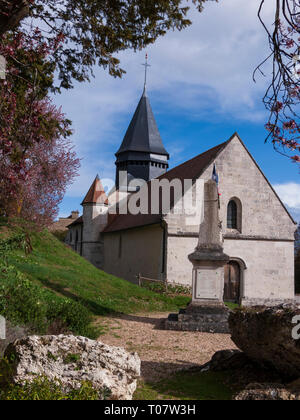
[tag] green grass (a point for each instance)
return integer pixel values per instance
(188, 386)
(57, 268)
(232, 305)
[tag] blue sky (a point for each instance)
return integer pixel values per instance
(201, 90)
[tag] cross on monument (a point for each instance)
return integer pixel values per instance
(146, 65)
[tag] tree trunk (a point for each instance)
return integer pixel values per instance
(11, 14)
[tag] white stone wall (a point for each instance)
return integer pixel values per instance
(94, 221)
(141, 252)
(179, 268)
(270, 268)
(270, 260)
(262, 212)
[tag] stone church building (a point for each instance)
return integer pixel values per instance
(257, 230)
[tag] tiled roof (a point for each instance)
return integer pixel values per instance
(191, 169)
(96, 194)
(78, 221)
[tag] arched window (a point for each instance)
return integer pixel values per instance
(232, 215)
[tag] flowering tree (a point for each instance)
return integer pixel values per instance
(283, 95)
(297, 260)
(93, 32)
(297, 237)
(36, 159)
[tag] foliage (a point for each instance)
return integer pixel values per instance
(37, 161)
(297, 260)
(42, 389)
(94, 31)
(297, 239)
(283, 95)
(25, 303)
(171, 289)
(28, 304)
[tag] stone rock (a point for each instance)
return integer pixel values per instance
(229, 360)
(265, 336)
(72, 360)
(268, 392)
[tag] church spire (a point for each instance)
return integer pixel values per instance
(142, 153)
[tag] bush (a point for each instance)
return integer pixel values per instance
(42, 389)
(172, 288)
(21, 301)
(27, 304)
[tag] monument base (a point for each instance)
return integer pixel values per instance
(209, 318)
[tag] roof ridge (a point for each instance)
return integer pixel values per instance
(96, 193)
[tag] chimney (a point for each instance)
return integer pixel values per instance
(75, 214)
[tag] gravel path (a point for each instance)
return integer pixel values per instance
(162, 352)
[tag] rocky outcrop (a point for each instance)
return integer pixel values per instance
(71, 360)
(265, 336)
(270, 392)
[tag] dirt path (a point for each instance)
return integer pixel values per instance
(162, 352)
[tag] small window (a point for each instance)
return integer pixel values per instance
(232, 215)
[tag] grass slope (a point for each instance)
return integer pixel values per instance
(58, 268)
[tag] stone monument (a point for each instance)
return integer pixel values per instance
(207, 312)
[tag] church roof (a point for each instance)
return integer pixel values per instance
(78, 221)
(96, 194)
(142, 134)
(191, 169)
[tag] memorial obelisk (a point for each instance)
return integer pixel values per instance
(207, 311)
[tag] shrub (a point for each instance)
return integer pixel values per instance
(21, 301)
(25, 303)
(42, 389)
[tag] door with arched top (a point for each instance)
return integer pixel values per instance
(232, 282)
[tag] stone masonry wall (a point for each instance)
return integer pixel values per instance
(266, 229)
(134, 251)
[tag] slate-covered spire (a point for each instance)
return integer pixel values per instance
(96, 193)
(142, 134)
(142, 153)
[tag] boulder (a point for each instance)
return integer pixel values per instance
(242, 369)
(265, 336)
(71, 360)
(269, 392)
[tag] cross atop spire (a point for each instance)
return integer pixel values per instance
(146, 65)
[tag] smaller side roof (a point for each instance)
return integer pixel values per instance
(96, 193)
(78, 221)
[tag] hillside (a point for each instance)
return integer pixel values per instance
(56, 268)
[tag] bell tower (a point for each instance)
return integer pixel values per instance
(142, 154)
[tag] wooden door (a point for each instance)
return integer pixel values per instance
(232, 282)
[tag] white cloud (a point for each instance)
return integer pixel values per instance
(203, 71)
(289, 194)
